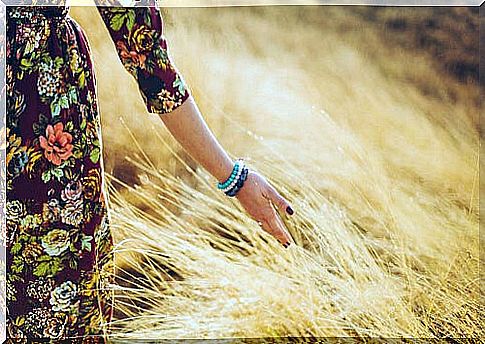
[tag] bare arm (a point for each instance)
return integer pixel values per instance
(137, 33)
(188, 127)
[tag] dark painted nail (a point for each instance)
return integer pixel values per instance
(289, 210)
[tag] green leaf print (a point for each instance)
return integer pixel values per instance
(69, 126)
(72, 95)
(48, 268)
(64, 102)
(46, 176)
(25, 237)
(119, 20)
(29, 47)
(179, 84)
(54, 172)
(58, 173)
(77, 152)
(55, 108)
(42, 269)
(16, 248)
(14, 278)
(86, 242)
(131, 20)
(25, 63)
(94, 156)
(58, 62)
(17, 265)
(83, 124)
(81, 79)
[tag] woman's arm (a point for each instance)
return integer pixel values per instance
(188, 127)
(137, 33)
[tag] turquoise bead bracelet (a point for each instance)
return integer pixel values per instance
(236, 179)
(231, 178)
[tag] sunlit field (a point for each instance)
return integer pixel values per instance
(359, 120)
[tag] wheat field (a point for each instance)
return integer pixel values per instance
(371, 140)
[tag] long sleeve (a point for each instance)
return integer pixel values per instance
(137, 33)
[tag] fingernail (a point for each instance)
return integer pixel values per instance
(289, 210)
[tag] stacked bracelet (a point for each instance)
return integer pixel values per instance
(236, 180)
(244, 175)
(223, 186)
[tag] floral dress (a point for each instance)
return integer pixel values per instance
(59, 245)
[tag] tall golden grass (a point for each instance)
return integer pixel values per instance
(375, 147)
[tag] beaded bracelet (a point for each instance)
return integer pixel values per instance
(239, 184)
(236, 180)
(232, 177)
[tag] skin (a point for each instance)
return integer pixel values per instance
(257, 196)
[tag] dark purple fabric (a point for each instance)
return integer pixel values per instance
(59, 244)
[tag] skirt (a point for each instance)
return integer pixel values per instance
(58, 240)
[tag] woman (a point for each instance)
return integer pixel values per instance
(58, 240)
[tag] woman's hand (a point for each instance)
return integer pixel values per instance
(256, 197)
(191, 131)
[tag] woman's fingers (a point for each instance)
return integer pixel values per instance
(274, 226)
(281, 203)
(257, 197)
(283, 228)
(270, 228)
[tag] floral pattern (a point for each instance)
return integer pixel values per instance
(59, 246)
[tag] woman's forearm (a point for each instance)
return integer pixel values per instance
(188, 127)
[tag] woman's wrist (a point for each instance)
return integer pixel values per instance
(225, 170)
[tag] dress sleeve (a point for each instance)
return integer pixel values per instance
(137, 33)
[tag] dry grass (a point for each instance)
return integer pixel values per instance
(375, 147)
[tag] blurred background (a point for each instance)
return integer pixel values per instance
(365, 118)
